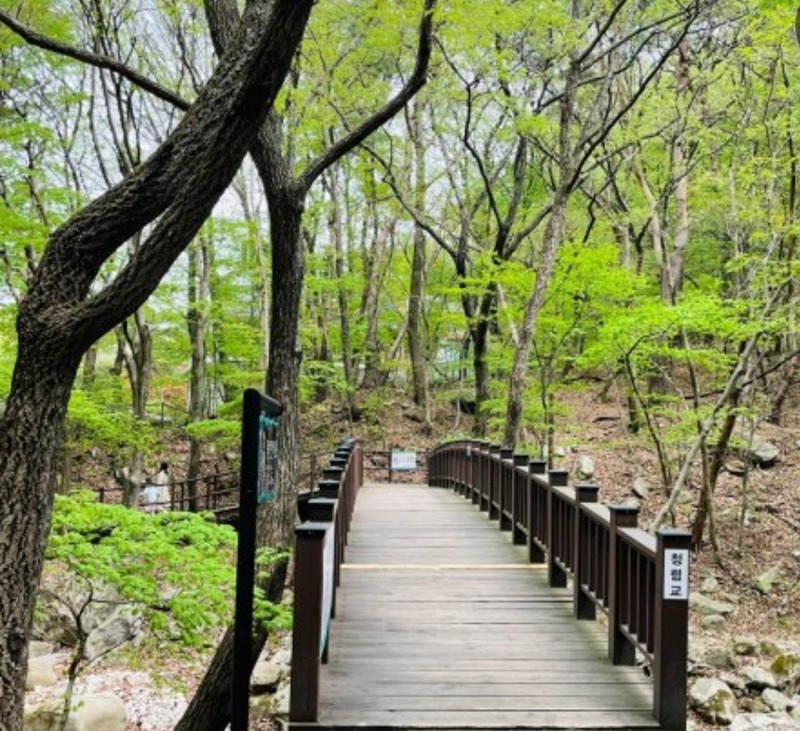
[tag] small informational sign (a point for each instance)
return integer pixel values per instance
(404, 461)
(267, 459)
(676, 574)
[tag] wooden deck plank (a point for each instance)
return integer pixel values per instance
(442, 624)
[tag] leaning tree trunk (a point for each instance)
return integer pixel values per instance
(31, 435)
(65, 310)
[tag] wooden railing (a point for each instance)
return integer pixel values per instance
(321, 540)
(638, 580)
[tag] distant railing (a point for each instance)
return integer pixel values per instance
(638, 580)
(321, 540)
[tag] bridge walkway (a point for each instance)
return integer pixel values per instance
(441, 623)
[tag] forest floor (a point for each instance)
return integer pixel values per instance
(767, 537)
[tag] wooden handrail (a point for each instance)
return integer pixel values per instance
(321, 541)
(638, 580)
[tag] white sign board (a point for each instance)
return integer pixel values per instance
(676, 574)
(404, 461)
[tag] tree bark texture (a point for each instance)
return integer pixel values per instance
(210, 708)
(61, 317)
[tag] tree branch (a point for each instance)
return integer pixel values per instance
(97, 60)
(417, 80)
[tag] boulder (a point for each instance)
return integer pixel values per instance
(123, 625)
(776, 700)
(763, 722)
(102, 712)
(765, 582)
(586, 468)
(42, 671)
(713, 700)
(642, 487)
(720, 658)
(745, 646)
(266, 676)
(769, 648)
(759, 678)
(706, 605)
(714, 622)
(280, 701)
(732, 680)
(709, 585)
(786, 669)
(764, 453)
(37, 648)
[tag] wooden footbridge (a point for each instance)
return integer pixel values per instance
(412, 611)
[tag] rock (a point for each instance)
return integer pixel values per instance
(736, 467)
(37, 648)
(786, 669)
(713, 700)
(720, 658)
(630, 502)
(709, 585)
(769, 648)
(763, 722)
(745, 646)
(732, 680)
(280, 701)
(764, 454)
(714, 622)
(123, 625)
(266, 676)
(42, 671)
(102, 712)
(586, 468)
(559, 452)
(776, 700)
(706, 605)
(684, 497)
(642, 487)
(759, 678)
(766, 581)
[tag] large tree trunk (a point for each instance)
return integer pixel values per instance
(63, 313)
(31, 433)
(210, 708)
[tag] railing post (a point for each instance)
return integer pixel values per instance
(307, 625)
(505, 475)
(620, 651)
(519, 496)
(494, 479)
(584, 606)
(555, 575)
(538, 469)
(671, 625)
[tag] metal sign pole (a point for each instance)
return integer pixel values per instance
(254, 457)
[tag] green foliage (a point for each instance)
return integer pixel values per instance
(179, 567)
(101, 419)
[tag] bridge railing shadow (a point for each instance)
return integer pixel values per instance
(639, 581)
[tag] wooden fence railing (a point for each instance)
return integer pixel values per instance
(638, 580)
(321, 540)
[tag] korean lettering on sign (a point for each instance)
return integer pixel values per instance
(676, 574)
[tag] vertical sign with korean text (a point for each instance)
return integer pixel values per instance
(676, 574)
